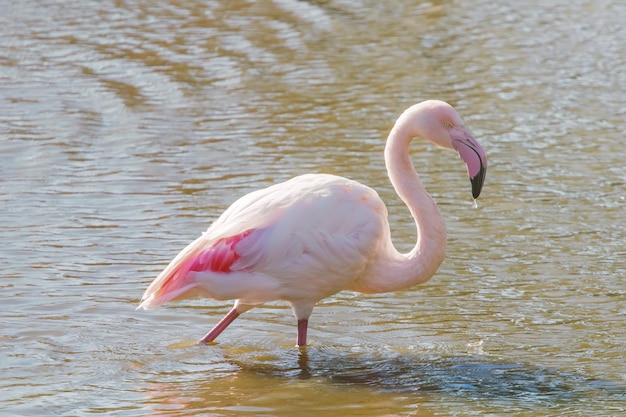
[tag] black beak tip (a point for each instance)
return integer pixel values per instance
(478, 181)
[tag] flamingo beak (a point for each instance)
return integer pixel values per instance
(473, 155)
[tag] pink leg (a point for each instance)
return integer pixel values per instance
(220, 327)
(302, 328)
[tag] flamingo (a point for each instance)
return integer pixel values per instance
(314, 235)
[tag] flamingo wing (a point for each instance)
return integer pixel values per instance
(303, 239)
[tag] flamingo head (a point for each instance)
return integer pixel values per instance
(441, 124)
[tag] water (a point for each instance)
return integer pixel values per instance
(127, 127)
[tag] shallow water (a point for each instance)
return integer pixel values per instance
(126, 127)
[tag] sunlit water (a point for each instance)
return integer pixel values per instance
(126, 127)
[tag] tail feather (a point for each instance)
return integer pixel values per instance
(200, 255)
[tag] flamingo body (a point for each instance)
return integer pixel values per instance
(298, 241)
(312, 236)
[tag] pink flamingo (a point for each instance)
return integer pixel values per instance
(312, 236)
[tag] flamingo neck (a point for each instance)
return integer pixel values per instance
(394, 271)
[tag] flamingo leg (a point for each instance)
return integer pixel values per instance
(302, 328)
(220, 327)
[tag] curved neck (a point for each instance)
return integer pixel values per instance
(395, 271)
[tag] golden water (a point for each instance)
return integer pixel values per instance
(126, 127)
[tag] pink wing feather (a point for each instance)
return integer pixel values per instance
(219, 257)
(200, 255)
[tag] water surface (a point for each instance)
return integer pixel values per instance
(126, 127)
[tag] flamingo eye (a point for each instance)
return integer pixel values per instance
(447, 124)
